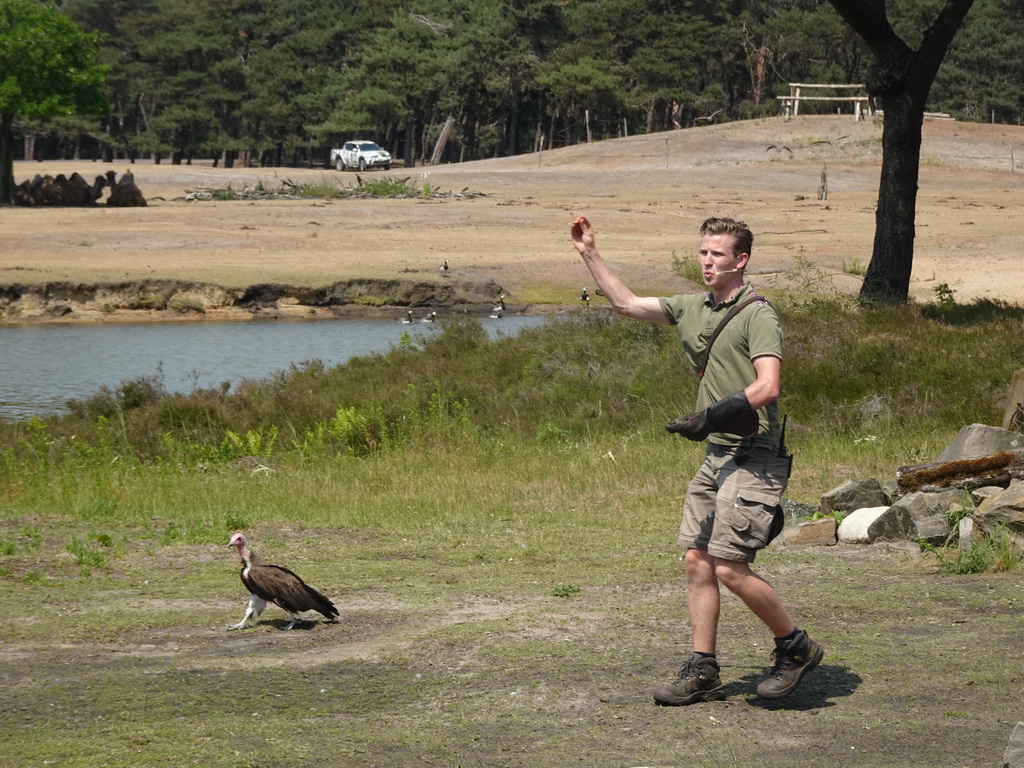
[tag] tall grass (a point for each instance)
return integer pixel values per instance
(464, 439)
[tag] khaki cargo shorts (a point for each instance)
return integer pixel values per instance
(730, 503)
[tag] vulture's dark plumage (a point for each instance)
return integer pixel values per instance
(275, 584)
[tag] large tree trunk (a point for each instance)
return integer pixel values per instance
(899, 81)
(512, 137)
(6, 159)
(892, 256)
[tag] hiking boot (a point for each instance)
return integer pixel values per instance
(792, 661)
(698, 681)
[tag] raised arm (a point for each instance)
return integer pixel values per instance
(622, 299)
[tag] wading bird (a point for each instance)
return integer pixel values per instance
(275, 584)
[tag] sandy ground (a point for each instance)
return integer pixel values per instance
(646, 196)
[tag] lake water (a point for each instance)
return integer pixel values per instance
(44, 366)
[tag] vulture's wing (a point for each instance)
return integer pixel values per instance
(281, 586)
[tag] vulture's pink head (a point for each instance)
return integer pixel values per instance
(237, 540)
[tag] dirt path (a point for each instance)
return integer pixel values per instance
(428, 667)
(646, 196)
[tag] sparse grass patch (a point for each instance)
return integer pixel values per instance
(87, 555)
(565, 590)
(688, 268)
(997, 552)
(227, 193)
(323, 190)
(186, 305)
(386, 186)
(365, 187)
(856, 267)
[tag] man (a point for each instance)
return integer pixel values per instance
(730, 503)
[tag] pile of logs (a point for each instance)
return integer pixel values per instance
(76, 191)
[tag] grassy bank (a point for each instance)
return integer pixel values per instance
(495, 520)
(865, 391)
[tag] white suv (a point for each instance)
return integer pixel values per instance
(360, 155)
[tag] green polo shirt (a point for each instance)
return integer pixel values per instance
(752, 333)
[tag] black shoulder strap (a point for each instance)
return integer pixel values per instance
(729, 316)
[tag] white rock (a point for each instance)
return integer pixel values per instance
(854, 528)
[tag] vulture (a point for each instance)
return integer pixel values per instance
(278, 585)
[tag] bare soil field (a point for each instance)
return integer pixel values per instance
(646, 196)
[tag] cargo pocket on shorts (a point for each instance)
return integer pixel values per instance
(754, 513)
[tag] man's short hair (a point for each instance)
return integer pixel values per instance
(742, 237)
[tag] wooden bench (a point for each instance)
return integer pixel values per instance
(862, 104)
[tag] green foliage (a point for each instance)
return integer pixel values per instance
(87, 555)
(561, 417)
(856, 267)
(982, 76)
(377, 186)
(849, 373)
(944, 295)
(565, 590)
(284, 82)
(385, 186)
(996, 552)
(549, 433)
(255, 442)
(48, 67)
(688, 268)
(349, 429)
(48, 64)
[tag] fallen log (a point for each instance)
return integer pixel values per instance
(997, 469)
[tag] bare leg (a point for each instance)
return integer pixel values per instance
(704, 599)
(256, 607)
(758, 595)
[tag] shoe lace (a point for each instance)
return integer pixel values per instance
(688, 672)
(781, 661)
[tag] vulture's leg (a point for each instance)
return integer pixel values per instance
(256, 607)
(295, 620)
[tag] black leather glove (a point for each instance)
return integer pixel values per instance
(732, 414)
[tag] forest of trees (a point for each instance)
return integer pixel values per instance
(278, 83)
